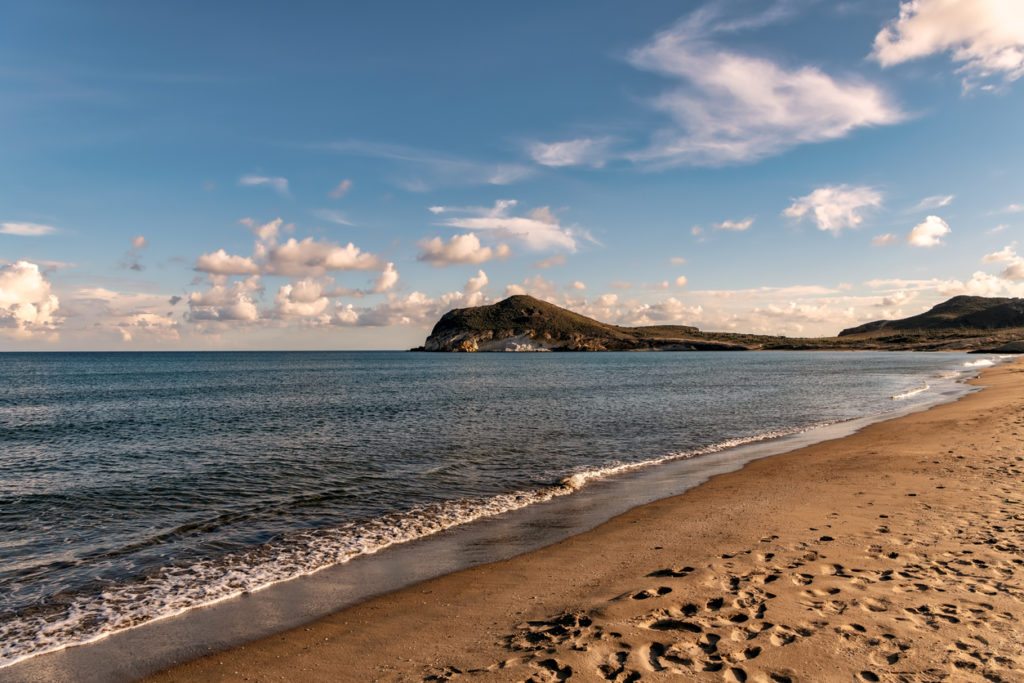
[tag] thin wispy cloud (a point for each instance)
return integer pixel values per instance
(729, 107)
(332, 216)
(26, 229)
(539, 229)
(278, 184)
(422, 170)
(341, 189)
(934, 202)
(579, 152)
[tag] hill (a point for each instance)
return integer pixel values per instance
(523, 323)
(970, 313)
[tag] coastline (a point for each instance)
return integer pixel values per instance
(890, 550)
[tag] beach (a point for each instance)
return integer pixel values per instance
(891, 554)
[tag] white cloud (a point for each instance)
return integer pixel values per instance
(341, 189)
(929, 233)
(1014, 208)
(475, 284)
(734, 108)
(459, 249)
(314, 257)
(884, 240)
(131, 316)
(305, 298)
(535, 286)
(222, 263)
(934, 202)
(897, 298)
(279, 185)
(681, 281)
(835, 207)
(26, 229)
(577, 285)
(579, 152)
(539, 229)
(387, 280)
(27, 307)
(139, 242)
(1007, 253)
(222, 303)
(607, 300)
(998, 228)
(986, 37)
(738, 226)
(677, 260)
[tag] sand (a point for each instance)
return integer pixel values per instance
(895, 554)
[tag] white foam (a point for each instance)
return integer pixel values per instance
(911, 392)
(981, 363)
(174, 590)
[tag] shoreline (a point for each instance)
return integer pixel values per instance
(850, 538)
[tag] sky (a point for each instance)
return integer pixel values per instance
(323, 175)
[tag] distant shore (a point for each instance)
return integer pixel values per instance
(892, 552)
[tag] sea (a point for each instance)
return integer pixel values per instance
(138, 486)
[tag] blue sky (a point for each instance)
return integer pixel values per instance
(318, 176)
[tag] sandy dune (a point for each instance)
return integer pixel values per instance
(896, 554)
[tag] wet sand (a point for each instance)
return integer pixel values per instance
(894, 554)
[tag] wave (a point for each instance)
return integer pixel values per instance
(911, 392)
(177, 589)
(981, 363)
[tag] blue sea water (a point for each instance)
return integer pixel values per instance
(137, 486)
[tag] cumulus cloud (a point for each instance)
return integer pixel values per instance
(387, 279)
(577, 285)
(535, 286)
(464, 248)
(313, 257)
(681, 281)
(929, 233)
(222, 263)
(26, 229)
(226, 302)
(539, 229)
(304, 298)
(279, 185)
(986, 37)
(1007, 253)
(579, 152)
(27, 306)
(835, 207)
(738, 226)
(475, 284)
(734, 108)
(131, 316)
(884, 240)
(341, 189)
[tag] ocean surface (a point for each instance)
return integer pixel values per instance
(135, 486)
